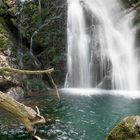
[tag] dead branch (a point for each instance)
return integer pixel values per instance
(55, 86)
(29, 117)
(8, 71)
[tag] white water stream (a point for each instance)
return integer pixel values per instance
(78, 49)
(98, 30)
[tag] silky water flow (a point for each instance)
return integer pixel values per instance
(100, 43)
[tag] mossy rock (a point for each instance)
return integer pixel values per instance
(127, 129)
(4, 41)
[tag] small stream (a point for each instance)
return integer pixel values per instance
(76, 117)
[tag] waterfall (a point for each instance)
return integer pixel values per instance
(78, 49)
(100, 43)
(20, 50)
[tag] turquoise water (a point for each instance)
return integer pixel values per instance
(74, 118)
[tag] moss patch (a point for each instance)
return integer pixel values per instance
(4, 41)
(127, 129)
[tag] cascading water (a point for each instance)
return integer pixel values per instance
(78, 49)
(100, 42)
(21, 31)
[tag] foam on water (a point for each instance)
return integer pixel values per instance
(92, 92)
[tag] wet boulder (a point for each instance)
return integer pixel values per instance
(127, 129)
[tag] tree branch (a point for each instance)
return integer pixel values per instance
(55, 86)
(135, 7)
(9, 71)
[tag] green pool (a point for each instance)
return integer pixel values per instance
(76, 117)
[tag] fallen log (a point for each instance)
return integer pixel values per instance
(9, 71)
(28, 116)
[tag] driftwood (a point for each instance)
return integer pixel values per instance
(27, 115)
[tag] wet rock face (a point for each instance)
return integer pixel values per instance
(16, 92)
(127, 129)
(10, 84)
(137, 24)
(129, 3)
(106, 83)
(4, 61)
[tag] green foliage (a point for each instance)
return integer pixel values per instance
(35, 85)
(4, 41)
(47, 27)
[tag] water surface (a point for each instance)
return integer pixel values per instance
(74, 118)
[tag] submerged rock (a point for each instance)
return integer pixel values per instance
(16, 93)
(106, 83)
(127, 129)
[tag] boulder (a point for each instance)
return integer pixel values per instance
(127, 129)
